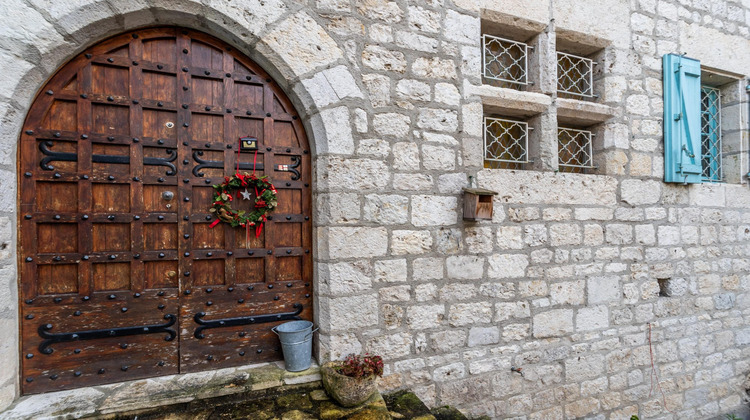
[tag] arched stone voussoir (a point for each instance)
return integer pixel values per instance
(81, 21)
(251, 17)
(328, 87)
(298, 45)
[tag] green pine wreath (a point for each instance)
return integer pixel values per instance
(235, 187)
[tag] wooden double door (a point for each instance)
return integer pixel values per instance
(122, 274)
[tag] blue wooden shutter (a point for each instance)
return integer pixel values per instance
(682, 124)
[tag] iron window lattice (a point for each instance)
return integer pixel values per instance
(506, 141)
(575, 75)
(505, 60)
(711, 134)
(574, 148)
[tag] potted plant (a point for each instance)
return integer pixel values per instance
(352, 381)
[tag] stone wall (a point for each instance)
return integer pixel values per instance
(577, 278)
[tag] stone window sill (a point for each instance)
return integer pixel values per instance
(510, 102)
(583, 113)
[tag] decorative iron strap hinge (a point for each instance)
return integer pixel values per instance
(52, 338)
(245, 320)
(52, 156)
(296, 162)
(217, 164)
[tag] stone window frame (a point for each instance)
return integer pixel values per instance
(581, 160)
(733, 155)
(538, 103)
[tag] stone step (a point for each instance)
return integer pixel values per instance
(146, 395)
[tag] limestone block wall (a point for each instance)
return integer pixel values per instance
(568, 282)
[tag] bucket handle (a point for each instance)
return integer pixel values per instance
(306, 337)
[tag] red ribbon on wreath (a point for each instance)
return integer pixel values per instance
(265, 200)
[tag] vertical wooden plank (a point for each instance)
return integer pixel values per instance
(184, 96)
(230, 137)
(85, 242)
(269, 160)
(305, 170)
(136, 166)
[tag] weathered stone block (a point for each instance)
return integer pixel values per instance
(604, 289)
(347, 313)
(391, 124)
(386, 209)
(637, 192)
(379, 58)
(432, 210)
(413, 90)
(593, 318)
(567, 293)
(406, 156)
(452, 371)
(462, 314)
(390, 346)
(438, 158)
(345, 278)
(387, 11)
(554, 323)
(301, 44)
(438, 119)
(480, 336)
(425, 316)
(565, 234)
(531, 187)
(507, 265)
(434, 68)
(507, 310)
(335, 122)
(465, 267)
(379, 88)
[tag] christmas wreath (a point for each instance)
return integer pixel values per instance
(236, 188)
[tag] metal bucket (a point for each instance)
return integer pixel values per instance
(296, 344)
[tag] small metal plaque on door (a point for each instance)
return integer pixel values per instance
(248, 143)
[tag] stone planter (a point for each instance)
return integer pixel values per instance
(347, 391)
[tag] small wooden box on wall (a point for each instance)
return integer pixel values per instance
(478, 204)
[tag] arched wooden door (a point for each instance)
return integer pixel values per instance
(122, 274)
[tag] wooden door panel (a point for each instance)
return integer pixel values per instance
(159, 86)
(223, 345)
(109, 198)
(62, 115)
(57, 237)
(110, 119)
(250, 270)
(56, 197)
(109, 80)
(111, 276)
(160, 50)
(55, 279)
(117, 159)
(93, 360)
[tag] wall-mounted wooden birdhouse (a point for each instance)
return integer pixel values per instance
(478, 204)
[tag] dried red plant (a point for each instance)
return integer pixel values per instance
(357, 366)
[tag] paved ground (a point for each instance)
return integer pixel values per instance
(303, 402)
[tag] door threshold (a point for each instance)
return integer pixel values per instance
(103, 400)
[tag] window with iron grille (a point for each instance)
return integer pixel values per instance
(505, 61)
(506, 143)
(711, 134)
(575, 76)
(574, 149)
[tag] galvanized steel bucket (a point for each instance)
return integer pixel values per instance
(296, 344)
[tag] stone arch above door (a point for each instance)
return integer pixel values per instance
(39, 39)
